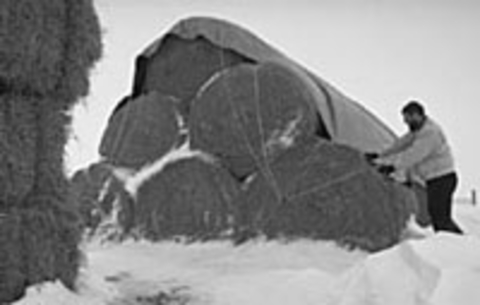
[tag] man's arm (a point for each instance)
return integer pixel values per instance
(398, 146)
(424, 144)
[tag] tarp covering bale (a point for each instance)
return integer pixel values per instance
(191, 198)
(324, 190)
(248, 114)
(181, 66)
(141, 130)
(264, 119)
(346, 121)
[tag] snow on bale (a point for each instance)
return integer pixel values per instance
(248, 114)
(141, 130)
(191, 198)
(104, 204)
(47, 48)
(87, 187)
(323, 190)
(179, 67)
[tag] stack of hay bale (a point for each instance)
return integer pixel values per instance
(47, 48)
(261, 161)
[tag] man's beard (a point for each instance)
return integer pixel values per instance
(415, 126)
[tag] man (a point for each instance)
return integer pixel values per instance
(424, 155)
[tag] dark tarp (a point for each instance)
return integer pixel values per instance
(181, 67)
(346, 120)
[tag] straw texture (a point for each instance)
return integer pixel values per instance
(249, 114)
(47, 49)
(326, 191)
(190, 198)
(141, 130)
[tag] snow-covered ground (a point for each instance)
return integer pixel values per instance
(440, 269)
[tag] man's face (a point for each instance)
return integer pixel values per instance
(413, 120)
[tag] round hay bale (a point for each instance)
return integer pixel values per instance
(18, 136)
(191, 198)
(141, 130)
(326, 191)
(89, 190)
(105, 206)
(179, 67)
(250, 113)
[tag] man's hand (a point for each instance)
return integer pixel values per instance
(371, 156)
(386, 169)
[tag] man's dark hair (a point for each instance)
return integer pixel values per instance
(413, 107)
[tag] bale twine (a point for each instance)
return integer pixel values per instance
(326, 191)
(179, 67)
(249, 114)
(191, 198)
(141, 131)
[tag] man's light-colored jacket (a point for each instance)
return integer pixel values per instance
(423, 154)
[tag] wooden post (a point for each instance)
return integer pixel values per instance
(474, 197)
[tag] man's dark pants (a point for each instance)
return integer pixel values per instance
(440, 195)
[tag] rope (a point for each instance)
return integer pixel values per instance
(268, 171)
(329, 184)
(263, 216)
(263, 166)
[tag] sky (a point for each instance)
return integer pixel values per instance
(380, 53)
